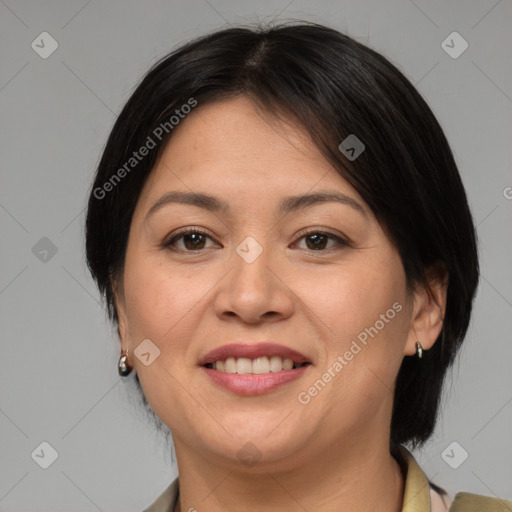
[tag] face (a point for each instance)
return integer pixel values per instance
(309, 280)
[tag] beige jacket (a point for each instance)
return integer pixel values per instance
(418, 495)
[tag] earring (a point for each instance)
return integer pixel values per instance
(123, 367)
(419, 349)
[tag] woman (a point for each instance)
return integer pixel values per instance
(282, 237)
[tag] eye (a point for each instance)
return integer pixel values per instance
(317, 240)
(193, 240)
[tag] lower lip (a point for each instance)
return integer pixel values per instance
(250, 384)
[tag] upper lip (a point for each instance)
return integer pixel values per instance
(252, 351)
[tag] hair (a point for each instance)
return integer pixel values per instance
(332, 86)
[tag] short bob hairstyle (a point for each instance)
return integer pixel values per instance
(332, 86)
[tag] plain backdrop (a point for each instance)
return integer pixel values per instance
(58, 377)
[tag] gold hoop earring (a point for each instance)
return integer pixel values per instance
(419, 349)
(123, 367)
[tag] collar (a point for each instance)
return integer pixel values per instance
(417, 487)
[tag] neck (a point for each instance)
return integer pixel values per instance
(360, 478)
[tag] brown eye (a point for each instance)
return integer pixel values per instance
(318, 240)
(193, 240)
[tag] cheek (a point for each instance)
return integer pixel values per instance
(364, 308)
(350, 298)
(163, 306)
(167, 303)
(156, 299)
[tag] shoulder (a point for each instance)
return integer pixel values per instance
(167, 500)
(469, 502)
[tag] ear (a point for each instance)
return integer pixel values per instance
(428, 310)
(120, 304)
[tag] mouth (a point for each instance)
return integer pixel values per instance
(253, 369)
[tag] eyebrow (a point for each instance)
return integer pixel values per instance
(287, 205)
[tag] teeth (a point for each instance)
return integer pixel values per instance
(276, 364)
(229, 366)
(287, 364)
(259, 366)
(243, 365)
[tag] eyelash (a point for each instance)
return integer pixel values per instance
(168, 244)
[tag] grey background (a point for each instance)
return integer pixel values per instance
(58, 378)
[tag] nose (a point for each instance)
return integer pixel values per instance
(255, 290)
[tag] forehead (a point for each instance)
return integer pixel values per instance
(232, 147)
(237, 128)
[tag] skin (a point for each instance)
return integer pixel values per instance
(332, 453)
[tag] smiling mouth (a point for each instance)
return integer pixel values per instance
(257, 366)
